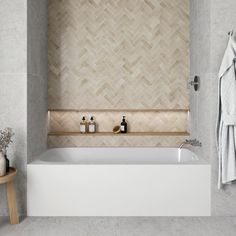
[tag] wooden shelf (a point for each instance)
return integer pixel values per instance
(119, 110)
(112, 134)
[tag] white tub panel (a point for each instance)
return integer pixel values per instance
(118, 190)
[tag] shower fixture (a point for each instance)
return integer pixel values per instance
(192, 142)
(195, 83)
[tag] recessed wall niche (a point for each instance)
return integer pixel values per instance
(127, 54)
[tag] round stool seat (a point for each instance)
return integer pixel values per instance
(9, 176)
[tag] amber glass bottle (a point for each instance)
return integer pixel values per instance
(123, 126)
(92, 125)
(83, 125)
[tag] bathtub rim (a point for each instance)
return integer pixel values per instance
(37, 160)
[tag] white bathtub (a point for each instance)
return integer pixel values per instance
(118, 182)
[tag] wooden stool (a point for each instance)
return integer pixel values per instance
(11, 195)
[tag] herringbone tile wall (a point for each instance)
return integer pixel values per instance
(118, 54)
(115, 141)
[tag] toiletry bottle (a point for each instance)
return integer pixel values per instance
(92, 125)
(83, 125)
(123, 126)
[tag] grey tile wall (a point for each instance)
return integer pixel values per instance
(199, 65)
(13, 36)
(210, 23)
(223, 19)
(13, 97)
(23, 85)
(13, 114)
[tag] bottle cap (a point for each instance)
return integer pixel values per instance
(83, 118)
(91, 118)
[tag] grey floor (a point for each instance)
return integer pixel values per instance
(99, 226)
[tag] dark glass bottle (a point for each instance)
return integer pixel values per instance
(123, 126)
(7, 163)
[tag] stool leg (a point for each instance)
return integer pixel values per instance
(11, 198)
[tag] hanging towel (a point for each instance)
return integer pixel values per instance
(226, 122)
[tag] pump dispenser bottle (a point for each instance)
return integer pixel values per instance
(123, 126)
(92, 125)
(83, 125)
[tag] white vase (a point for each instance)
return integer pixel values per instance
(2, 164)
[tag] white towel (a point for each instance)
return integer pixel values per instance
(226, 122)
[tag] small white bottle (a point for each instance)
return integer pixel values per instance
(92, 125)
(83, 125)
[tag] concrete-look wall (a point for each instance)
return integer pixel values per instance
(210, 23)
(23, 86)
(13, 91)
(37, 77)
(223, 20)
(199, 65)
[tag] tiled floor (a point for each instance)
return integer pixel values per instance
(139, 226)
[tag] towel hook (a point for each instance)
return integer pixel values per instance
(230, 33)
